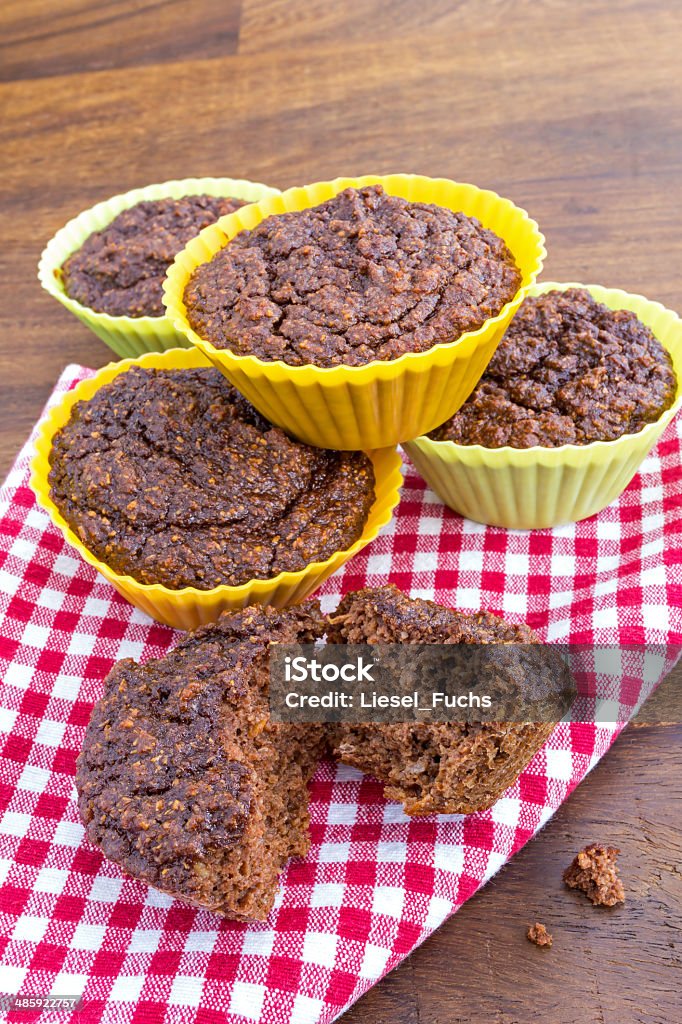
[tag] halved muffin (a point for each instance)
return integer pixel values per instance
(185, 782)
(443, 767)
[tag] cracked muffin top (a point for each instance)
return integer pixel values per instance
(363, 276)
(569, 370)
(172, 477)
(120, 269)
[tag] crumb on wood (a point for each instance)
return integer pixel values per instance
(594, 872)
(538, 934)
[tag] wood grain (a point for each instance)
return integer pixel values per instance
(572, 110)
(41, 38)
(572, 113)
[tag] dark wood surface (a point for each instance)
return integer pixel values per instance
(572, 110)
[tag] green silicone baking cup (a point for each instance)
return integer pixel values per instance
(129, 336)
(539, 488)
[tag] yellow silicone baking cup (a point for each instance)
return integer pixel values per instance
(130, 336)
(533, 488)
(382, 403)
(189, 607)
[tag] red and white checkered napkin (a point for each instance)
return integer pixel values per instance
(375, 883)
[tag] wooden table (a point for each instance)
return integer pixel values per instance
(575, 112)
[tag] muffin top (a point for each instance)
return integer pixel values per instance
(120, 269)
(385, 615)
(172, 477)
(569, 370)
(364, 276)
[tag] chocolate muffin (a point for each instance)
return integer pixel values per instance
(120, 269)
(569, 370)
(363, 276)
(172, 477)
(185, 782)
(445, 767)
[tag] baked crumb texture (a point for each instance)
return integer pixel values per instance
(569, 370)
(441, 768)
(362, 276)
(595, 873)
(172, 477)
(120, 269)
(185, 782)
(538, 935)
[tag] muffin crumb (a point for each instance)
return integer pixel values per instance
(595, 873)
(538, 935)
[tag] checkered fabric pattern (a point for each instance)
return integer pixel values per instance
(376, 883)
